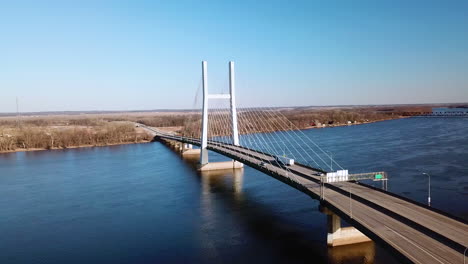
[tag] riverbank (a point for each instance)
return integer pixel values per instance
(87, 130)
(57, 135)
(355, 123)
(74, 147)
(47, 139)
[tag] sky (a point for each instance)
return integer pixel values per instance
(137, 55)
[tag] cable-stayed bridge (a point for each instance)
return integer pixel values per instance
(273, 145)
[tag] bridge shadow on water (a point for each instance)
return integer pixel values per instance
(287, 242)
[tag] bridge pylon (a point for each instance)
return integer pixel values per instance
(204, 164)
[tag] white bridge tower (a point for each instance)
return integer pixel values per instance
(235, 132)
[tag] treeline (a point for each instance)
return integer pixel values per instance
(67, 131)
(42, 137)
(51, 121)
(310, 118)
(189, 124)
(157, 120)
(276, 120)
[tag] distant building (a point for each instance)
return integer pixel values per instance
(446, 111)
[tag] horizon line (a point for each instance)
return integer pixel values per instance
(58, 112)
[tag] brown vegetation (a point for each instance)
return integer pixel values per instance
(33, 134)
(263, 120)
(189, 123)
(63, 131)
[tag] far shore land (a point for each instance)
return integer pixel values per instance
(51, 132)
(172, 130)
(357, 123)
(72, 147)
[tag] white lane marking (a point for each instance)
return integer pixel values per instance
(422, 249)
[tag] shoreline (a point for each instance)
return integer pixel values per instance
(355, 124)
(71, 147)
(128, 143)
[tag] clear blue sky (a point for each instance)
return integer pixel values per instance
(124, 55)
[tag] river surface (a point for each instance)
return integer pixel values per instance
(143, 203)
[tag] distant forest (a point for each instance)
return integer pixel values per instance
(64, 131)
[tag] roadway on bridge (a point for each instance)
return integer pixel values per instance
(432, 223)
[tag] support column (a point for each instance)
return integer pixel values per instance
(204, 139)
(179, 146)
(235, 132)
(340, 236)
(333, 227)
(189, 150)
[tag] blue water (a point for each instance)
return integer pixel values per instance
(143, 203)
(405, 149)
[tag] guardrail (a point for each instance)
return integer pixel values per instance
(375, 176)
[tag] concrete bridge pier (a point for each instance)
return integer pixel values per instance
(340, 236)
(173, 144)
(184, 148)
(188, 150)
(355, 253)
(179, 146)
(221, 165)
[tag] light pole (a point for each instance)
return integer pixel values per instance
(323, 180)
(350, 202)
(321, 187)
(429, 189)
(464, 252)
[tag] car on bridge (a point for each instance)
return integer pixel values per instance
(284, 160)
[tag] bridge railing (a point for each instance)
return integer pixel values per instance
(375, 176)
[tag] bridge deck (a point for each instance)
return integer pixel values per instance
(428, 220)
(413, 244)
(452, 229)
(417, 233)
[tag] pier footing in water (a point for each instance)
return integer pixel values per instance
(190, 152)
(340, 236)
(223, 165)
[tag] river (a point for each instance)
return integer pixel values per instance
(143, 203)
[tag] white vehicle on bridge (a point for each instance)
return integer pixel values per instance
(284, 160)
